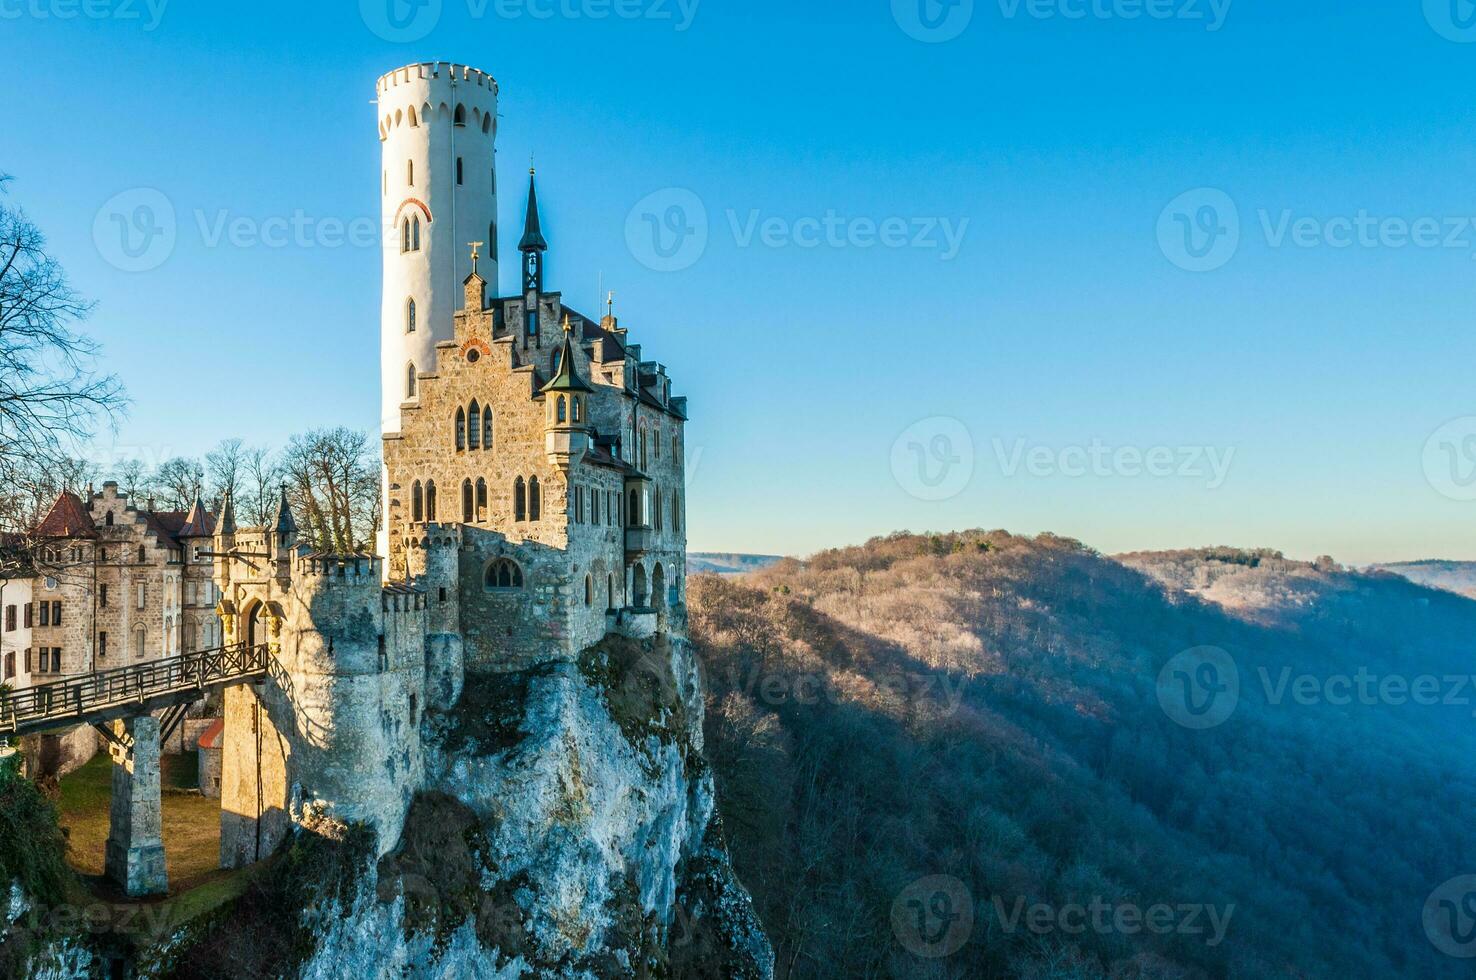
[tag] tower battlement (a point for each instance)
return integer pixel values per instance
(327, 570)
(432, 70)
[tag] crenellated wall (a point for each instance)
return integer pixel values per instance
(336, 731)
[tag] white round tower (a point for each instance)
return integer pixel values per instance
(438, 129)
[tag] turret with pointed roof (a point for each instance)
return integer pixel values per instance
(567, 378)
(226, 522)
(533, 240)
(68, 518)
(284, 537)
(198, 522)
(532, 246)
(566, 409)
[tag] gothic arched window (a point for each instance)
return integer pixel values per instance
(481, 499)
(410, 315)
(535, 499)
(410, 380)
(656, 507)
(467, 502)
(417, 503)
(563, 410)
(487, 427)
(503, 575)
(676, 513)
(415, 234)
(430, 500)
(460, 428)
(520, 500)
(474, 426)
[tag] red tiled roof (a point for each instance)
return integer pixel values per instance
(198, 523)
(212, 737)
(68, 518)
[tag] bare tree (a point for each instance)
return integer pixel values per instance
(50, 395)
(132, 476)
(333, 480)
(261, 474)
(224, 466)
(182, 480)
(31, 491)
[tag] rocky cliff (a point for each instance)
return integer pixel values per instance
(565, 828)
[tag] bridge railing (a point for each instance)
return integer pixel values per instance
(97, 692)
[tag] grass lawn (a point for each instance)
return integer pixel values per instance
(191, 821)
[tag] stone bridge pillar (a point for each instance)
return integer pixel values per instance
(135, 856)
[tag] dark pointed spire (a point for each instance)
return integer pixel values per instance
(285, 523)
(533, 240)
(226, 523)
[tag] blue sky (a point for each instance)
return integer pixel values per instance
(1065, 361)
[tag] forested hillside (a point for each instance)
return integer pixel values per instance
(1453, 576)
(932, 751)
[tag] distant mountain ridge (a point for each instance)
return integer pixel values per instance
(988, 722)
(728, 563)
(1452, 576)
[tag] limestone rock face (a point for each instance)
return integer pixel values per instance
(566, 829)
(33, 950)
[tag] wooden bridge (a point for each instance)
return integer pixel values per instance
(92, 699)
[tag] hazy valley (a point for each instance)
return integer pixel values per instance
(983, 711)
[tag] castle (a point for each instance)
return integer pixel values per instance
(109, 583)
(534, 499)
